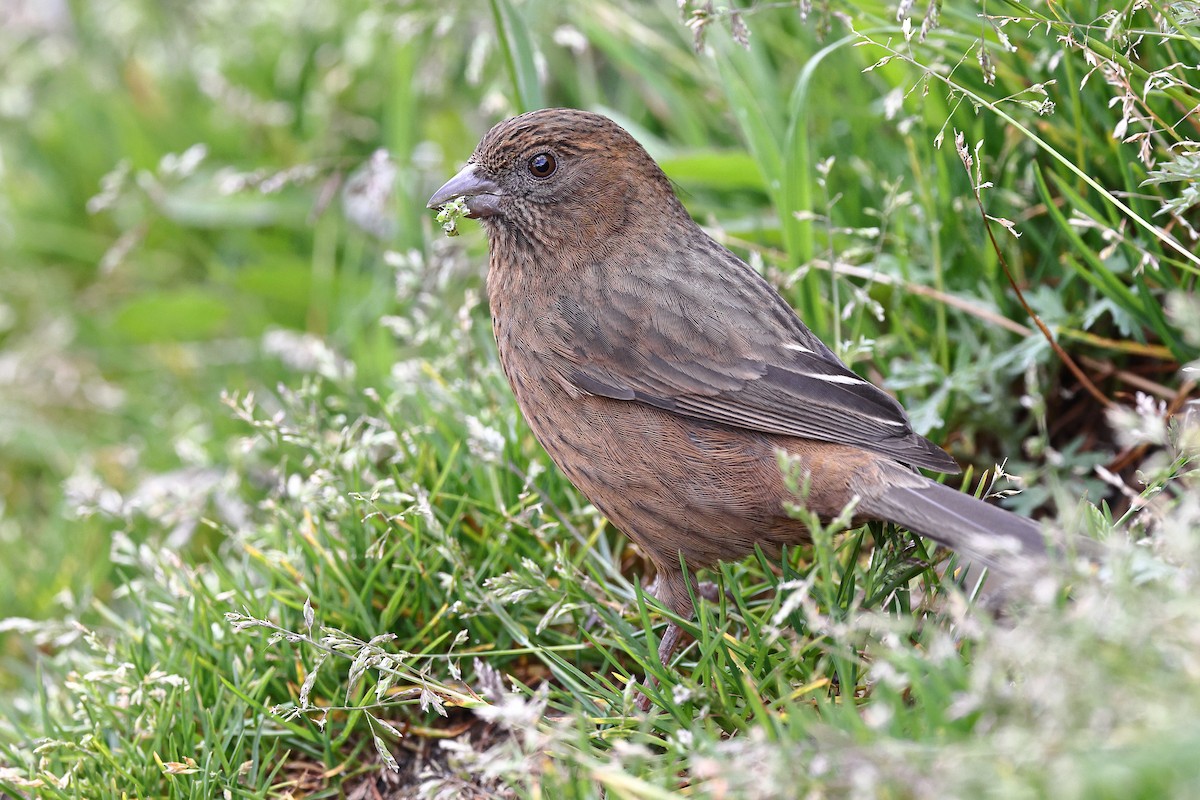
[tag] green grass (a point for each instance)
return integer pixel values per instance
(273, 524)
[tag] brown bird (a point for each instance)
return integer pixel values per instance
(664, 375)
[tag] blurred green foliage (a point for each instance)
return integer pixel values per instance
(216, 196)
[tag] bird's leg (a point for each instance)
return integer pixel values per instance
(669, 588)
(705, 590)
(710, 591)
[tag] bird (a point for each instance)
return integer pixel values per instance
(665, 377)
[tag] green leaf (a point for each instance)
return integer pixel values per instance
(518, 51)
(723, 170)
(181, 315)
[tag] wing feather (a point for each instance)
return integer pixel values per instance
(731, 351)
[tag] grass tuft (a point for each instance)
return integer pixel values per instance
(274, 526)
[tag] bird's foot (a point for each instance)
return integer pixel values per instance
(711, 592)
(666, 647)
(705, 590)
(670, 588)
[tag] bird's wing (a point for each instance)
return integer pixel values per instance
(730, 350)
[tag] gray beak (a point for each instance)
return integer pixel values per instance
(481, 192)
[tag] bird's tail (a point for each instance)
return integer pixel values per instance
(978, 530)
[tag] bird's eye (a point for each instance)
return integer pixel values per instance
(542, 165)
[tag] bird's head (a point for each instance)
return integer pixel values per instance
(559, 177)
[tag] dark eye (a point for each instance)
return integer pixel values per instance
(542, 165)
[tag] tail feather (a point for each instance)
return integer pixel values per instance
(979, 530)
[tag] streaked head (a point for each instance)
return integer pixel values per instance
(575, 170)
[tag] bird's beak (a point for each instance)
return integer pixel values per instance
(481, 192)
